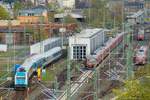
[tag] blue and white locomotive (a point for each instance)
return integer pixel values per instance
(23, 72)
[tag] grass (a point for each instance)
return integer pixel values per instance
(142, 71)
(4, 75)
(8, 54)
(8, 64)
(53, 70)
(11, 53)
(48, 76)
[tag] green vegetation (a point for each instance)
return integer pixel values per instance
(100, 14)
(137, 88)
(49, 76)
(2, 73)
(68, 19)
(3, 14)
(53, 71)
(52, 6)
(17, 6)
(143, 71)
(9, 53)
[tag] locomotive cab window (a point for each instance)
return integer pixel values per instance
(141, 50)
(20, 77)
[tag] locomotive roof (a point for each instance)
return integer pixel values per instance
(30, 61)
(52, 51)
(135, 15)
(143, 48)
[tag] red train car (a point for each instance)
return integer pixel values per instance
(141, 55)
(100, 54)
(140, 35)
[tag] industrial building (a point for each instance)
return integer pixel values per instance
(133, 5)
(136, 18)
(85, 43)
(36, 14)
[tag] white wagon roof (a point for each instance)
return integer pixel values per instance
(29, 61)
(51, 52)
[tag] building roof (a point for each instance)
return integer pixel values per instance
(12, 30)
(38, 10)
(137, 14)
(88, 33)
(73, 15)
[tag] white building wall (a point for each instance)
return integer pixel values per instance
(91, 43)
(97, 41)
(78, 41)
(7, 22)
(69, 3)
(3, 47)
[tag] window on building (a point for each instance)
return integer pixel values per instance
(79, 52)
(19, 14)
(30, 14)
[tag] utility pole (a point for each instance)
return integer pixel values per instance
(56, 84)
(68, 76)
(123, 28)
(129, 53)
(41, 34)
(95, 84)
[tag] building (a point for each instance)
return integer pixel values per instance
(136, 18)
(147, 12)
(85, 43)
(81, 4)
(9, 22)
(42, 2)
(14, 36)
(147, 4)
(12, 32)
(78, 16)
(67, 3)
(34, 15)
(133, 5)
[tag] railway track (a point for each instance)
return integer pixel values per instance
(5, 89)
(135, 45)
(105, 78)
(34, 87)
(74, 87)
(20, 95)
(81, 80)
(145, 42)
